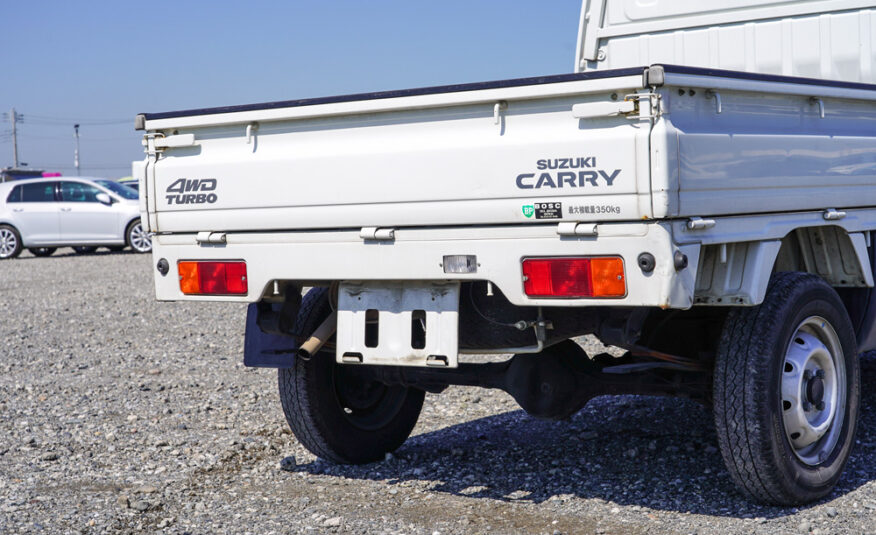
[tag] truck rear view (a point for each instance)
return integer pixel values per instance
(715, 225)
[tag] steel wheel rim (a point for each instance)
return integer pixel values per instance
(813, 390)
(368, 405)
(8, 242)
(140, 240)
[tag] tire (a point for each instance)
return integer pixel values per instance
(84, 249)
(10, 242)
(335, 413)
(137, 237)
(42, 251)
(785, 433)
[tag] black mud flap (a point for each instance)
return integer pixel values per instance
(263, 350)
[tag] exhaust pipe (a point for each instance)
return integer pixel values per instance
(320, 336)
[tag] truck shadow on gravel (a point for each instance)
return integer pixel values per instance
(651, 452)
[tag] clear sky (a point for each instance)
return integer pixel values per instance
(99, 63)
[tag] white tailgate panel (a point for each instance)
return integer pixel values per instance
(451, 165)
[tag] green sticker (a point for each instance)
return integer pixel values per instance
(528, 210)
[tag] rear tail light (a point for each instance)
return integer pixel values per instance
(212, 278)
(601, 276)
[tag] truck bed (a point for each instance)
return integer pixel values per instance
(699, 143)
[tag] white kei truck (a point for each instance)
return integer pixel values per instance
(700, 192)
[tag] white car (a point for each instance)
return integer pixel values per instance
(46, 213)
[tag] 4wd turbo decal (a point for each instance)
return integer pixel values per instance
(591, 177)
(190, 191)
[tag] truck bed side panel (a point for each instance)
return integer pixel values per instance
(771, 152)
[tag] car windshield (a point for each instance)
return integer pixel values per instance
(119, 189)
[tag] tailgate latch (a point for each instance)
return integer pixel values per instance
(592, 110)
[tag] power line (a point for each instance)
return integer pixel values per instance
(67, 138)
(45, 119)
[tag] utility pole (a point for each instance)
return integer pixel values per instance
(13, 117)
(76, 154)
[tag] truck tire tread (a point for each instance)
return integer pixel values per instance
(307, 393)
(741, 384)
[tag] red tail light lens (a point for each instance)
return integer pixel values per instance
(212, 278)
(574, 277)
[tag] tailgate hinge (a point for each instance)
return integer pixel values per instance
(377, 233)
(210, 237)
(573, 228)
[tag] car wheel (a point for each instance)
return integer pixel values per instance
(334, 411)
(84, 249)
(10, 242)
(42, 251)
(138, 238)
(787, 390)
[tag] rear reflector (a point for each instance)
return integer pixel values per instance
(601, 276)
(212, 278)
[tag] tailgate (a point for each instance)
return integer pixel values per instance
(496, 153)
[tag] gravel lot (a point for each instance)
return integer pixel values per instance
(122, 414)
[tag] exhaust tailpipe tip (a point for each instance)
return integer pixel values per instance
(319, 337)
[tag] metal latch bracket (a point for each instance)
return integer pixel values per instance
(698, 223)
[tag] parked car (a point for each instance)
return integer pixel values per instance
(44, 214)
(127, 190)
(131, 182)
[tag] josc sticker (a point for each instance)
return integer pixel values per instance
(548, 210)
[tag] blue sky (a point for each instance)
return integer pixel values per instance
(101, 62)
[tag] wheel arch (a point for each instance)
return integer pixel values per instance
(128, 226)
(737, 274)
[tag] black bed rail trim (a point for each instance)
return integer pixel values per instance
(516, 82)
(455, 88)
(761, 77)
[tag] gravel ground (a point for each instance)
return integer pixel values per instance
(122, 414)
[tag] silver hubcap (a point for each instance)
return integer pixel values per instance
(813, 390)
(140, 240)
(8, 242)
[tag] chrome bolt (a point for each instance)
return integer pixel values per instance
(807, 374)
(807, 406)
(819, 374)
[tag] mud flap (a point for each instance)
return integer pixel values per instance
(263, 350)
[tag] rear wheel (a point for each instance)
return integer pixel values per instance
(333, 410)
(42, 251)
(787, 392)
(138, 238)
(10, 242)
(84, 249)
